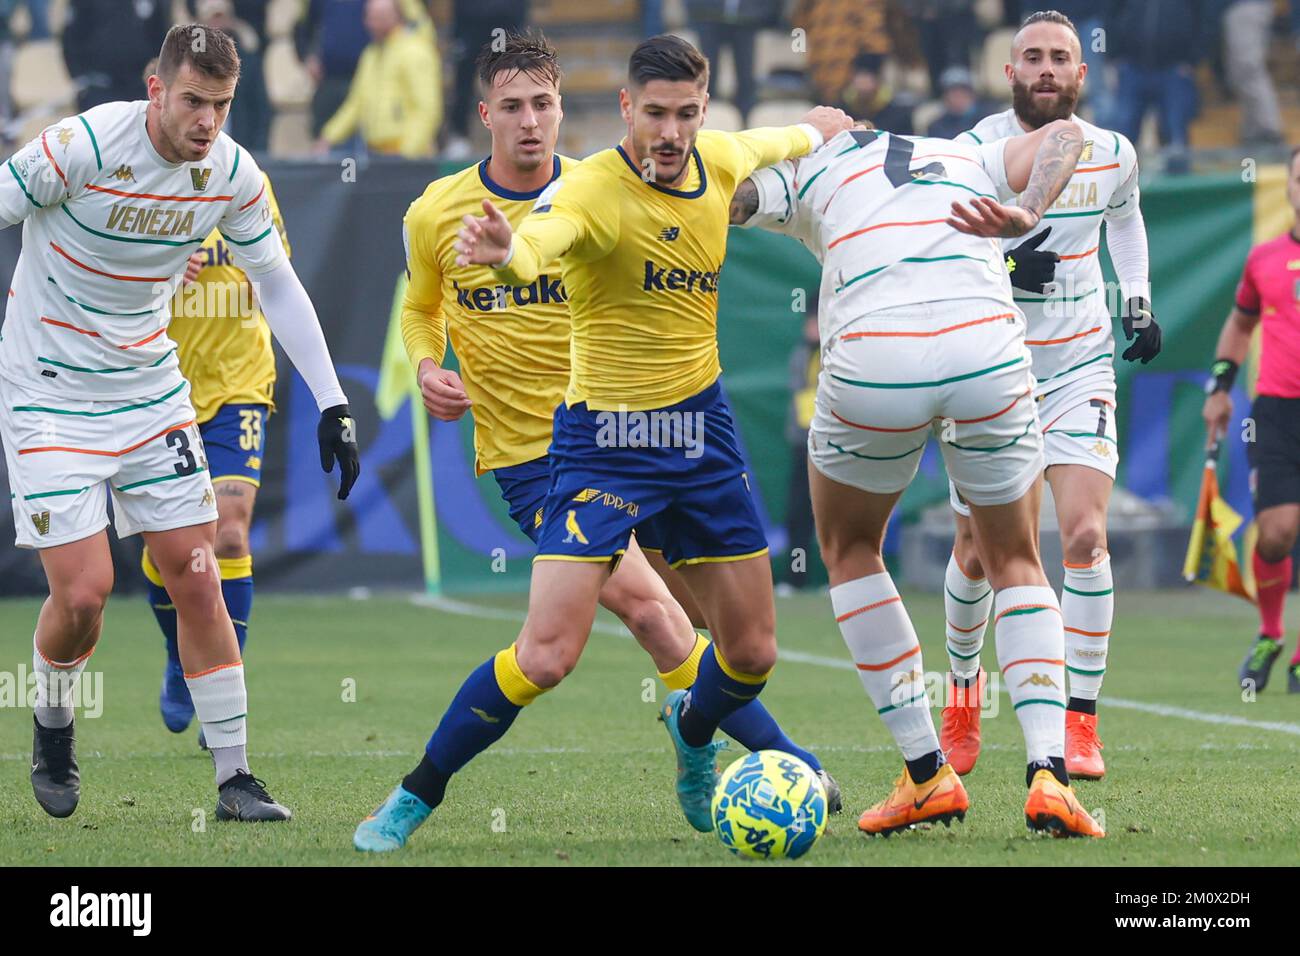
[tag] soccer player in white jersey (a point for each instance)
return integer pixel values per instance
(920, 335)
(92, 401)
(1073, 354)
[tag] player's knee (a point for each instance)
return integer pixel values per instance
(548, 667)
(1083, 539)
(197, 595)
(967, 555)
(82, 603)
(231, 540)
(1275, 543)
(840, 550)
(754, 660)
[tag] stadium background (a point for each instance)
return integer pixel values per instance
(347, 249)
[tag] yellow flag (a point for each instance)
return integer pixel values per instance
(1211, 554)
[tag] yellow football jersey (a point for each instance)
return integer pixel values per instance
(512, 341)
(222, 340)
(640, 263)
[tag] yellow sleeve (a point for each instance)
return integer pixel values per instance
(574, 216)
(347, 117)
(767, 146)
(277, 219)
(424, 327)
(426, 99)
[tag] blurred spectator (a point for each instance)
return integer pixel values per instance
(1156, 45)
(39, 11)
(866, 97)
(736, 25)
(836, 31)
(962, 109)
(395, 99)
(329, 40)
(1247, 25)
(947, 31)
(652, 17)
(7, 50)
(251, 12)
(106, 44)
(473, 23)
(805, 364)
(250, 115)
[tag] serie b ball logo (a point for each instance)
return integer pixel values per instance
(769, 805)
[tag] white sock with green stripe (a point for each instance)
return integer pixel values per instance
(1087, 608)
(1031, 645)
(221, 704)
(55, 684)
(966, 605)
(883, 643)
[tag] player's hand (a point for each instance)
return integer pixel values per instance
(337, 436)
(196, 262)
(828, 120)
(989, 218)
(1031, 268)
(1216, 411)
(443, 392)
(484, 240)
(1139, 320)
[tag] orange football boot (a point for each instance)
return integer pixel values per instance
(1053, 808)
(959, 734)
(1082, 747)
(939, 799)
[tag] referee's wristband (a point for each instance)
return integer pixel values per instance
(1222, 374)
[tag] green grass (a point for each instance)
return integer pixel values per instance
(585, 776)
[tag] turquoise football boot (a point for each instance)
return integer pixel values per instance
(697, 769)
(389, 826)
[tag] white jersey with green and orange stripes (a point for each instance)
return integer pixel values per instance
(1070, 328)
(871, 206)
(108, 226)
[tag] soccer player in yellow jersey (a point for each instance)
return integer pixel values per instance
(513, 346)
(224, 346)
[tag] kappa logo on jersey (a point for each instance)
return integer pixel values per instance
(541, 291)
(1038, 680)
(664, 279)
(199, 177)
(42, 523)
(151, 220)
(123, 173)
(909, 678)
(671, 233)
(1101, 449)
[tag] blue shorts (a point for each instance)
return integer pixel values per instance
(234, 440)
(524, 488)
(679, 468)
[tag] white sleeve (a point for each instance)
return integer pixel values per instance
(296, 327)
(1126, 241)
(993, 157)
(1124, 201)
(47, 171)
(248, 225)
(779, 208)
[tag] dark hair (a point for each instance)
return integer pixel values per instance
(1052, 16)
(209, 51)
(667, 57)
(528, 52)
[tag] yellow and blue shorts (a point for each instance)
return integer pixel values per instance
(235, 441)
(675, 475)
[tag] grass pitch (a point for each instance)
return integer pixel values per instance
(344, 693)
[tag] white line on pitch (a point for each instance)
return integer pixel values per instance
(452, 606)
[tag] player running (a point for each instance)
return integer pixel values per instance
(513, 344)
(92, 399)
(224, 347)
(1268, 297)
(920, 335)
(1073, 354)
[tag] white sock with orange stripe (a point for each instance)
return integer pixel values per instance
(966, 605)
(221, 704)
(1031, 648)
(1087, 608)
(880, 636)
(55, 681)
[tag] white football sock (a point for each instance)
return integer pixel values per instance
(966, 605)
(1031, 648)
(221, 704)
(55, 681)
(1087, 607)
(880, 637)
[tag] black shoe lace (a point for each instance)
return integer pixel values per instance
(251, 785)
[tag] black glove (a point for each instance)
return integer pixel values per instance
(1030, 268)
(1139, 318)
(337, 436)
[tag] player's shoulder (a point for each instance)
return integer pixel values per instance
(992, 127)
(234, 166)
(434, 201)
(1102, 146)
(98, 135)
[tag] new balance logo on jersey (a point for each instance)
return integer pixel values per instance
(123, 173)
(542, 291)
(1038, 680)
(669, 234)
(151, 220)
(664, 279)
(42, 522)
(199, 177)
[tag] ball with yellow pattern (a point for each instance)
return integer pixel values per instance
(769, 805)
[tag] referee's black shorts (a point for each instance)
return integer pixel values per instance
(1274, 455)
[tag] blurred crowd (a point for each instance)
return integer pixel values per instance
(375, 74)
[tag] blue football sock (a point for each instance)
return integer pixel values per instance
(713, 697)
(165, 612)
(238, 594)
(756, 729)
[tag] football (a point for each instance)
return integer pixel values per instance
(769, 805)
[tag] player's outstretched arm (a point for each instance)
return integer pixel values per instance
(517, 257)
(1231, 351)
(744, 203)
(295, 325)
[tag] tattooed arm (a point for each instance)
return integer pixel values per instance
(744, 202)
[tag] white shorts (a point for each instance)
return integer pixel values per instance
(66, 456)
(1078, 429)
(957, 370)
